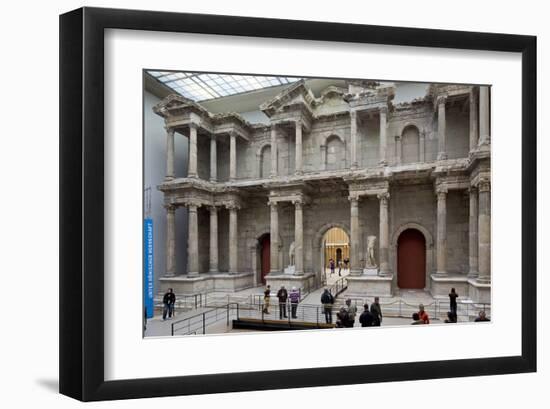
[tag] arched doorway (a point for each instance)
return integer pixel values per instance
(336, 247)
(411, 260)
(265, 264)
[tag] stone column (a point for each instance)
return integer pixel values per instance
(273, 151)
(484, 232)
(170, 153)
(170, 241)
(192, 169)
(472, 234)
(441, 128)
(422, 146)
(398, 150)
(355, 248)
(233, 239)
(298, 238)
(274, 239)
(213, 159)
(193, 242)
(484, 115)
(473, 120)
(383, 141)
(353, 117)
(384, 234)
(213, 239)
(441, 230)
(298, 161)
(232, 156)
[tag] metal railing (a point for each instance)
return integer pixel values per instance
(200, 323)
(437, 309)
(338, 287)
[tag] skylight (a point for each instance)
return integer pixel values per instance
(203, 86)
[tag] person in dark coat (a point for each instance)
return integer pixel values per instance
(267, 298)
(169, 300)
(452, 299)
(366, 318)
(327, 300)
(282, 295)
(342, 318)
(376, 311)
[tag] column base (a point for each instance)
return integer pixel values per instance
(364, 286)
(473, 274)
(207, 282)
(442, 156)
(304, 282)
(193, 274)
(168, 178)
(480, 293)
(192, 176)
(356, 272)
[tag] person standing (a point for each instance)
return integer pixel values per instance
(352, 311)
(267, 296)
(423, 314)
(327, 300)
(376, 311)
(452, 299)
(366, 318)
(168, 301)
(282, 295)
(294, 300)
(346, 263)
(339, 268)
(331, 264)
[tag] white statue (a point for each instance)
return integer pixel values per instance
(291, 253)
(371, 242)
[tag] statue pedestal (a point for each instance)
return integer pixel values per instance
(367, 285)
(290, 270)
(370, 271)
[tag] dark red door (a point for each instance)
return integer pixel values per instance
(411, 259)
(265, 245)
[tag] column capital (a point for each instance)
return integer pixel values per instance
(397, 137)
(383, 197)
(213, 209)
(383, 110)
(193, 125)
(472, 190)
(441, 192)
(441, 99)
(484, 185)
(192, 207)
(353, 114)
(232, 206)
(298, 204)
(170, 207)
(169, 130)
(272, 204)
(354, 200)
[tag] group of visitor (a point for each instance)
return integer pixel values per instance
(345, 317)
(284, 297)
(332, 264)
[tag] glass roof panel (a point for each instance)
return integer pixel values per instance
(202, 86)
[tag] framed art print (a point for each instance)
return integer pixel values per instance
(240, 195)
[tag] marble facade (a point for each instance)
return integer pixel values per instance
(350, 158)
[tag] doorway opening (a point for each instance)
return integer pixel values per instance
(335, 254)
(411, 260)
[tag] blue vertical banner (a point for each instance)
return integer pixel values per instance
(148, 273)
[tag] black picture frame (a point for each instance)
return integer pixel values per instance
(82, 196)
